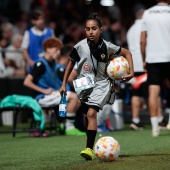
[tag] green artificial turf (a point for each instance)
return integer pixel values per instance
(139, 150)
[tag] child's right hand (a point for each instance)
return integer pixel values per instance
(63, 90)
(48, 91)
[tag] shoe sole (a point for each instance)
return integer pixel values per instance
(75, 134)
(162, 128)
(133, 127)
(86, 156)
(156, 134)
(168, 126)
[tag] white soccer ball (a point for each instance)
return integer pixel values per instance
(107, 149)
(117, 68)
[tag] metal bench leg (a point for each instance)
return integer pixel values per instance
(15, 122)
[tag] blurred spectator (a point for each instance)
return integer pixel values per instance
(119, 32)
(7, 68)
(34, 37)
(14, 54)
(7, 32)
(73, 33)
(107, 33)
(25, 5)
(5, 71)
(21, 24)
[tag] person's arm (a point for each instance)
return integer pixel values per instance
(29, 83)
(72, 77)
(66, 76)
(74, 57)
(143, 44)
(27, 58)
(128, 55)
(143, 47)
(24, 46)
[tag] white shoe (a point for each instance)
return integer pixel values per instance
(155, 133)
(167, 110)
(168, 126)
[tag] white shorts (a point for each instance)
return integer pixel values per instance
(52, 99)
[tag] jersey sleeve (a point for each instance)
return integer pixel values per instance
(25, 40)
(114, 49)
(38, 70)
(74, 55)
(60, 73)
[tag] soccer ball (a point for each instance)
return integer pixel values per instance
(117, 68)
(107, 149)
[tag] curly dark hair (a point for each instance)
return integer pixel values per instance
(95, 17)
(52, 42)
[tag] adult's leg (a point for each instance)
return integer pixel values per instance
(136, 106)
(154, 91)
(136, 103)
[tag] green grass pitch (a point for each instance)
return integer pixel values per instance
(139, 151)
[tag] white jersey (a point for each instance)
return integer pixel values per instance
(156, 22)
(133, 40)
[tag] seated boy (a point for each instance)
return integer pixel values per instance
(42, 79)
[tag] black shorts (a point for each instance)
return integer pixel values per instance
(142, 91)
(157, 72)
(86, 107)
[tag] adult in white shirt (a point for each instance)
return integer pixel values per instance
(155, 41)
(138, 94)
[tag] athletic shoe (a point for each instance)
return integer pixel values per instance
(139, 80)
(167, 110)
(44, 135)
(74, 131)
(87, 154)
(155, 133)
(37, 134)
(163, 124)
(168, 126)
(102, 129)
(34, 134)
(136, 126)
(109, 125)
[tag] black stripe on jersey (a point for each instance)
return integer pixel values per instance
(74, 55)
(118, 52)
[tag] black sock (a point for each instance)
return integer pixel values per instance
(91, 135)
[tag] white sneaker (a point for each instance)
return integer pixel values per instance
(155, 133)
(167, 110)
(168, 126)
